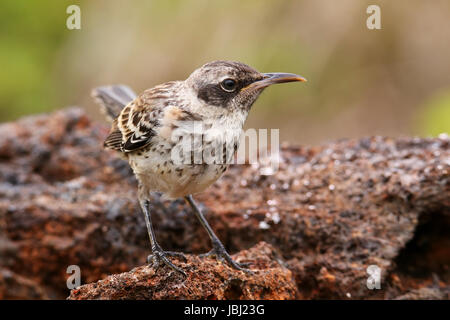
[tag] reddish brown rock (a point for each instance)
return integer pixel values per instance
(206, 279)
(14, 286)
(331, 211)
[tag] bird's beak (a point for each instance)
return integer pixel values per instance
(278, 77)
(273, 78)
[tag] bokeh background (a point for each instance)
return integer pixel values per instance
(394, 81)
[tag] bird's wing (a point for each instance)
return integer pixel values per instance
(138, 122)
(133, 129)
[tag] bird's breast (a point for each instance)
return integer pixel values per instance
(178, 172)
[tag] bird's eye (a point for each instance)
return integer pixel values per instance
(228, 85)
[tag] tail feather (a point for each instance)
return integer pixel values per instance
(113, 99)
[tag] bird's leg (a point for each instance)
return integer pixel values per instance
(218, 249)
(158, 254)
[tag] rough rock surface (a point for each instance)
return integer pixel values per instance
(331, 211)
(206, 279)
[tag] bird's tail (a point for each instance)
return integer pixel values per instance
(113, 99)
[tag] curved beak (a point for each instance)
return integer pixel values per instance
(273, 78)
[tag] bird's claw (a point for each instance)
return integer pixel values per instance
(159, 256)
(222, 255)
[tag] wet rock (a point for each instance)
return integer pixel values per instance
(331, 211)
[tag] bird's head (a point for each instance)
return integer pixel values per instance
(231, 86)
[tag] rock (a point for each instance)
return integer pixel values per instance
(331, 211)
(424, 294)
(206, 279)
(14, 286)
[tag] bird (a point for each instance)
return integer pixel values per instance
(154, 132)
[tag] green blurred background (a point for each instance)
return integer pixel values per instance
(394, 81)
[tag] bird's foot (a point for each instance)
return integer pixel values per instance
(159, 256)
(218, 251)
